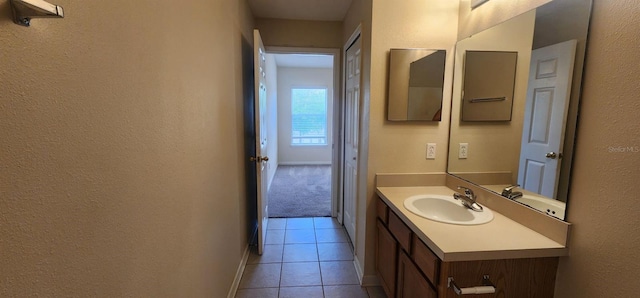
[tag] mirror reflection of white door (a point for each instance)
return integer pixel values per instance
(548, 93)
(352, 111)
(261, 159)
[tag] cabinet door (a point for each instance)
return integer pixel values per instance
(425, 260)
(386, 259)
(411, 283)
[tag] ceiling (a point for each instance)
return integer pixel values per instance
(312, 10)
(304, 60)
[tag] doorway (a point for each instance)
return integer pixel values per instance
(303, 129)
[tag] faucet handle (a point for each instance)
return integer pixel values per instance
(467, 191)
(509, 188)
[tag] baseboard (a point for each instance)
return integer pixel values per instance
(359, 273)
(243, 263)
(304, 163)
(370, 281)
(365, 280)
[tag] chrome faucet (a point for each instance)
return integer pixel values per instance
(508, 192)
(468, 199)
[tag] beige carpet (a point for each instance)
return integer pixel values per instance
(300, 191)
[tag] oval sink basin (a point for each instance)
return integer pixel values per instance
(551, 207)
(446, 209)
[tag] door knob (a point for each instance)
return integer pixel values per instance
(551, 155)
(259, 158)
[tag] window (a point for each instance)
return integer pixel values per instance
(308, 116)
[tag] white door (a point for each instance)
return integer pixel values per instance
(261, 158)
(545, 115)
(351, 122)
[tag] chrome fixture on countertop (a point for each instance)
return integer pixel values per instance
(508, 192)
(468, 199)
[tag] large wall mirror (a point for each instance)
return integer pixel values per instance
(534, 149)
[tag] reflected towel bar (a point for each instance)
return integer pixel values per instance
(490, 99)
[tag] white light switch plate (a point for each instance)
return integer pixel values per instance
(431, 151)
(463, 152)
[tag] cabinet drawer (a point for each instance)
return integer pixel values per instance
(400, 231)
(382, 211)
(425, 260)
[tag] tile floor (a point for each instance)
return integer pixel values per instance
(304, 257)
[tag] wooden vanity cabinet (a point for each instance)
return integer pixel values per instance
(407, 268)
(386, 259)
(396, 252)
(411, 282)
(521, 278)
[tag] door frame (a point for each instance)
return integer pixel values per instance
(337, 138)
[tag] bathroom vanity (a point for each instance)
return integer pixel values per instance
(418, 257)
(514, 127)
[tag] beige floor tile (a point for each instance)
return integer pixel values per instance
(301, 292)
(261, 276)
(326, 223)
(347, 291)
(275, 237)
(299, 223)
(300, 253)
(335, 252)
(338, 273)
(272, 254)
(277, 224)
(300, 236)
(300, 274)
(262, 293)
(331, 235)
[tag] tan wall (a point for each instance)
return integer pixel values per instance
(121, 127)
(604, 260)
(491, 13)
(296, 33)
(493, 146)
(397, 147)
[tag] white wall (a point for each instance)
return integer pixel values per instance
(272, 116)
(289, 78)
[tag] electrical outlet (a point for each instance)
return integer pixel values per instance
(431, 151)
(463, 152)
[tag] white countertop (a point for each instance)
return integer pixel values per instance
(502, 238)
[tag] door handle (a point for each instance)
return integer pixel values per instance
(259, 158)
(553, 155)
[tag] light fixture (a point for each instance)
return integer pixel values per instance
(25, 10)
(476, 3)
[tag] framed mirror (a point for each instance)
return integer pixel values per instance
(534, 150)
(416, 80)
